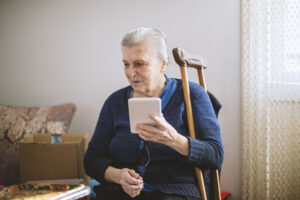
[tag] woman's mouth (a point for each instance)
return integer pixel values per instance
(136, 82)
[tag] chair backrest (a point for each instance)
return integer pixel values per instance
(185, 59)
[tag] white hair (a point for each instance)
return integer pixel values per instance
(158, 38)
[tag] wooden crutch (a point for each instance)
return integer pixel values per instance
(185, 59)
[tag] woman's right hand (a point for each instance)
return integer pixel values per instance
(131, 182)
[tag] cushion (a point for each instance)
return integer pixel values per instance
(17, 123)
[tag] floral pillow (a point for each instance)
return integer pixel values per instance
(17, 123)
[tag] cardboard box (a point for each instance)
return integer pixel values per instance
(40, 159)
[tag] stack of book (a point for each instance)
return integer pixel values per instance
(52, 190)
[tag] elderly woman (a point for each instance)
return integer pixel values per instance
(159, 161)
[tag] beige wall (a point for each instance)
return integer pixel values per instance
(56, 51)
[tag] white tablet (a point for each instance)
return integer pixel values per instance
(140, 109)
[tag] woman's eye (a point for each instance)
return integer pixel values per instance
(126, 64)
(139, 64)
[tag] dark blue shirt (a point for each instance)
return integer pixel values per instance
(113, 143)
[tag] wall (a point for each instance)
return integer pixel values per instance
(56, 51)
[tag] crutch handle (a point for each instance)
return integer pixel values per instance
(185, 58)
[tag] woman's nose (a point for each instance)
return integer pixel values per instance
(132, 71)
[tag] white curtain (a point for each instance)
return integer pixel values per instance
(271, 99)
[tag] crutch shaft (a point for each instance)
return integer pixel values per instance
(215, 173)
(216, 183)
(191, 126)
(201, 78)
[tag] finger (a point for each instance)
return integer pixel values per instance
(145, 135)
(148, 128)
(134, 188)
(127, 179)
(166, 126)
(132, 193)
(132, 181)
(157, 120)
(133, 173)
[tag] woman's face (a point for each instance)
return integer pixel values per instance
(143, 69)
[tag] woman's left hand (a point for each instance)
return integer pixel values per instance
(163, 132)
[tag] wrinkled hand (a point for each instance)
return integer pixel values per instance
(131, 182)
(163, 132)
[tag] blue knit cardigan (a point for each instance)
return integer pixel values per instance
(114, 145)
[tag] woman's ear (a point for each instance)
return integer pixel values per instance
(164, 66)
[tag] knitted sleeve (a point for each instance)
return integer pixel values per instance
(207, 150)
(96, 158)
